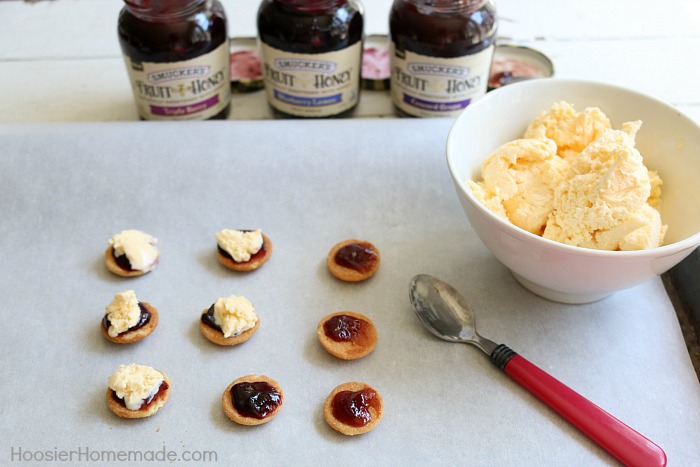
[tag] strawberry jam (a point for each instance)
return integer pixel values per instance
(352, 407)
(343, 328)
(360, 257)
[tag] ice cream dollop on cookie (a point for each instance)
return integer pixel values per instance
(234, 315)
(240, 244)
(123, 313)
(135, 384)
(140, 248)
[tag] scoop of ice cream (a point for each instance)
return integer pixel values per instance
(234, 315)
(655, 196)
(519, 180)
(140, 248)
(572, 131)
(240, 244)
(123, 313)
(135, 384)
(574, 180)
(604, 197)
(488, 199)
(650, 235)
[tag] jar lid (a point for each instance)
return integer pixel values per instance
(513, 63)
(246, 66)
(376, 70)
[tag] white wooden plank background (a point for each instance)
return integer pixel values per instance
(60, 60)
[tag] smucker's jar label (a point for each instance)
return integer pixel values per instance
(427, 86)
(195, 89)
(441, 54)
(312, 85)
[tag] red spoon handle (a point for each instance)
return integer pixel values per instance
(624, 443)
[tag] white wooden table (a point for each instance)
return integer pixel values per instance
(60, 60)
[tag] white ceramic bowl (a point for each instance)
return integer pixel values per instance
(669, 142)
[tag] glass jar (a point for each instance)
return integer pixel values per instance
(441, 52)
(312, 55)
(177, 58)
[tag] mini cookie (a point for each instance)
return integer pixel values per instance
(252, 400)
(243, 250)
(131, 253)
(353, 260)
(229, 321)
(137, 391)
(127, 320)
(353, 408)
(347, 335)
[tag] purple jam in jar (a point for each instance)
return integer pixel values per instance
(177, 57)
(312, 56)
(441, 54)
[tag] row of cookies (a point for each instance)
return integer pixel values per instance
(133, 253)
(232, 320)
(139, 391)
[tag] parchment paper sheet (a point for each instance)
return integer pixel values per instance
(66, 189)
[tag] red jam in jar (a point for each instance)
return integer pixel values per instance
(441, 52)
(177, 58)
(312, 55)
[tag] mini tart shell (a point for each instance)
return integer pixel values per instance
(349, 350)
(217, 336)
(231, 411)
(343, 427)
(114, 268)
(250, 265)
(129, 336)
(347, 274)
(156, 404)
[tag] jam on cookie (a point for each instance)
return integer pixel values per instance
(131, 253)
(137, 391)
(353, 408)
(252, 400)
(353, 260)
(128, 320)
(229, 321)
(347, 335)
(243, 250)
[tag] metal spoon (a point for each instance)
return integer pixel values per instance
(447, 314)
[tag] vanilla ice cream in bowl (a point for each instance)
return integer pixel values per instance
(580, 188)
